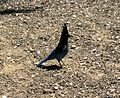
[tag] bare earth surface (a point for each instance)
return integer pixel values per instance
(30, 29)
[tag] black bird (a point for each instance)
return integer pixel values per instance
(61, 50)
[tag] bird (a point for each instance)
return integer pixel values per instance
(61, 50)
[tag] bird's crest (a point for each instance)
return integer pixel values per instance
(65, 31)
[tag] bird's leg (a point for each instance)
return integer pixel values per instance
(60, 63)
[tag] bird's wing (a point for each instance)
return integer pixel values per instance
(52, 55)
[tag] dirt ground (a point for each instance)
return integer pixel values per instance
(30, 29)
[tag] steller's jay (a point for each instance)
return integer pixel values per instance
(61, 50)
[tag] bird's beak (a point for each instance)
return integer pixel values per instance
(69, 35)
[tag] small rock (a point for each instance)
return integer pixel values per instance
(0, 61)
(68, 22)
(71, 83)
(8, 58)
(47, 91)
(77, 48)
(117, 37)
(1, 72)
(21, 25)
(32, 50)
(112, 90)
(36, 63)
(97, 55)
(15, 47)
(4, 96)
(97, 97)
(73, 46)
(18, 44)
(38, 53)
(61, 87)
(74, 16)
(83, 63)
(85, 58)
(99, 39)
(33, 75)
(79, 24)
(77, 38)
(94, 50)
(118, 78)
(47, 49)
(56, 87)
(62, 95)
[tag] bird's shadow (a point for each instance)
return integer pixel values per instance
(19, 10)
(52, 67)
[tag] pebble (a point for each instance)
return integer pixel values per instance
(61, 87)
(112, 90)
(0, 61)
(73, 46)
(56, 87)
(38, 53)
(15, 47)
(33, 75)
(20, 24)
(38, 63)
(85, 58)
(32, 50)
(117, 37)
(99, 39)
(62, 95)
(1, 72)
(83, 63)
(47, 49)
(118, 78)
(71, 83)
(79, 24)
(18, 44)
(4, 96)
(94, 50)
(47, 91)
(74, 16)
(68, 22)
(97, 55)
(8, 58)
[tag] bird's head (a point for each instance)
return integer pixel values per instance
(65, 33)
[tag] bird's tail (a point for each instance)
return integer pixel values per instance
(41, 62)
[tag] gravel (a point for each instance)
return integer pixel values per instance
(30, 29)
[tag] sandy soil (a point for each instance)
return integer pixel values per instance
(92, 66)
